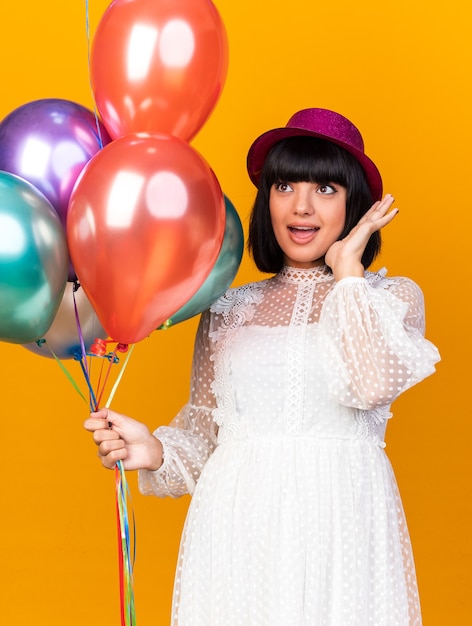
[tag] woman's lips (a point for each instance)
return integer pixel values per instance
(302, 234)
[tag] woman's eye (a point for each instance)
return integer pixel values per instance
(283, 187)
(326, 189)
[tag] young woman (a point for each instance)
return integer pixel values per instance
(295, 517)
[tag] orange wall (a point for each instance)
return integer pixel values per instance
(401, 71)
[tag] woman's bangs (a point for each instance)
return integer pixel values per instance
(306, 159)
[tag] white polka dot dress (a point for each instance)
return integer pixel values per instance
(295, 518)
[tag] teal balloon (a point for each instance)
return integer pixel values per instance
(33, 261)
(223, 272)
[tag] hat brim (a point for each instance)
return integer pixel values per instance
(261, 146)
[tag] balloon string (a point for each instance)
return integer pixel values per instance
(87, 31)
(126, 563)
(126, 547)
(126, 543)
(92, 401)
(126, 551)
(67, 373)
(119, 377)
(112, 360)
(120, 549)
(126, 557)
(79, 328)
(99, 382)
(83, 358)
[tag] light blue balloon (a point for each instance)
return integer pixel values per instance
(223, 272)
(33, 261)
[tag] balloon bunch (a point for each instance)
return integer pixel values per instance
(111, 223)
(133, 212)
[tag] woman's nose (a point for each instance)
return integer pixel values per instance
(303, 204)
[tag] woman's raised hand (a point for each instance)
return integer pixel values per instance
(344, 256)
(120, 438)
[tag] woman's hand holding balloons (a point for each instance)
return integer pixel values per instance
(121, 438)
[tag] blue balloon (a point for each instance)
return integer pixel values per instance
(223, 272)
(33, 261)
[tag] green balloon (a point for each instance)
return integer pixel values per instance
(33, 261)
(222, 274)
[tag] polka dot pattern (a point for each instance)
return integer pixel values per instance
(295, 516)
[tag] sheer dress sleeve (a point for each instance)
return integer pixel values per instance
(371, 337)
(191, 437)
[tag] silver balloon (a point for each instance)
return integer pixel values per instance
(63, 335)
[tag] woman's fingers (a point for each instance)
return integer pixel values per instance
(110, 459)
(110, 445)
(105, 419)
(375, 219)
(345, 256)
(105, 435)
(379, 210)
(92, 424)
(98, 419)
(111, 449)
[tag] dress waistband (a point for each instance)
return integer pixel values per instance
(228, 439)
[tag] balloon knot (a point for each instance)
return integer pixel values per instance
(77, 355)
(98, 347)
